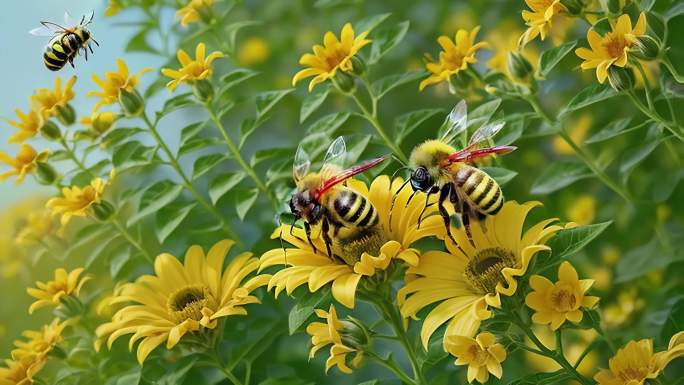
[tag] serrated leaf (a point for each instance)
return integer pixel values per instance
(615, 128)
(328, 124)
(222, 184)
(191, 130)
(304, 309)
(388, 83)
(265, 101)
(550, 58)
(406, 123)
(244, 200)
(170, 217)
(367, 24)
(567, 242)
(385, 40)
(588, 96)
(155, 197)
(559, 175)
(205, 163)
(196, 144)
(312, 101)
(501, 175)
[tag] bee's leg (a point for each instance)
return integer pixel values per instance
(307, 229)
(325, 232)
(433, 190)
(481, 220)
(85, 53)
(394, 200)
(465, 218)
(443, 194)
(95, 41)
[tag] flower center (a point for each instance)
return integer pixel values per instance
(615, 45)
(188, 302)
(351, 245)
(484, 270)
(478, 355)
(334, 56)
(453, 61)
(562, 299)
(633, 374)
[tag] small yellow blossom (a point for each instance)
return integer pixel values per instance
(583, 210)
(21, 372)
(540, 17)
(611, 48)
(24, 163)
(40, 342)
(193, 11)
(253, 51)
(64, 284)
(504, 39)
(99, 122)
(578, 130)
(556, 302)
(332, 56)
(191, 70)
(455, 57)
(47, 101)
(328, 333)
(38, 225)
(76, 201)
(28, 124)
(113, 7)
(114, 82)
(482, 354)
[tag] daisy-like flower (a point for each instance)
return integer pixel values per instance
(332, 56)
(51, 292)
(368, 256)
(457, 54)
(194, 11)
(28, 124)
(77, 201)
(38, 225)
(21, 372)
(47, 101)
(482, 354)
(26, 162)
(99, 123)
(40, 342)
(611, 48)
(328, 333)
(465, 281)
(554, 303)
(191, 70)
(182, 298)
(635, 362)
(540, 17)
(114, 83)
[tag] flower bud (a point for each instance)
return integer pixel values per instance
(45, 174)
(646, 47)
(519, 67)
(103, 210)
(574, 7)
(621, 78)
(50, 130)
(344, 82)
(66, 114)
(131, 103)
(359, 67)
(103, 122)
(203, 90)
(354, 333)
(70, 307)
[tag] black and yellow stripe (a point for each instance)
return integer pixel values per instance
(355, 209)
(483, 191)
(63, 48)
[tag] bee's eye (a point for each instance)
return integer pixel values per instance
(420, 179)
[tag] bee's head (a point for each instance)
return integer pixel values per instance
(85, 34)
(421, 180)
(303, 205)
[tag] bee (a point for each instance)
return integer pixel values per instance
(323, 197)
(439, 168)
(66, 42)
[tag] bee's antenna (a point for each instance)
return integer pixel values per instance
(394, 174)
(398, 160)
(394, 199)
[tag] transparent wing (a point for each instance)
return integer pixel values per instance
(69, 21)
(485, 132)
(46, 29)
(301, 164)
(456, 122)
(334, 160)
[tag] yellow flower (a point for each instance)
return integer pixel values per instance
(194, 11)
(333, 55)
(253, 51)
(40, 342)
(483, 355)
(28, 124)
(554, 303)
(583, 210)
(77, 201)
(579, 128)
(366, 258)
(99, 122)
(38, 225)
(191, 70)
(113, 7)
(26, 162)
(20, 372)
(182, 298)
(46, 101)
(115, 82)
(328, 333)
(467, 279)
(455, 57)
(64, 284)
(540, 18)
(635, 362)
(611, 48)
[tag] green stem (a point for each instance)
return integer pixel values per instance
(673, 71)
(653, 115)
(173, 162)
(392, 366)
(74, 158)
(126, 234)
(647, 84)
(235, 152)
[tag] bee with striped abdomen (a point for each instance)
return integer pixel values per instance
(438, 168)
(66, 42)
(322, 197)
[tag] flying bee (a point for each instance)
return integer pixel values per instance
(66, 42)
(438, 168)
(323, 197)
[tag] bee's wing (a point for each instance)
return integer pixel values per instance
(456, 122)
(69, 21)
(485, 132)
(301, 164)
(47, 29)
(335, 158)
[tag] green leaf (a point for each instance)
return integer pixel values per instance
(265, 101)
(235, 77)
(222, 184)
(116, 136)
(567, 242)
(405, 124)
(155, 197)
(559, 377)
(637, 154)
(205, 163)
(248, 126)
(170, 217)
(304, 309)
(195, 144)
(615, 128)
(177, 102)
(233, 29)
(101, 248)
(559, 175)
(357, 147)
(312, 101)
(138, 42)
(367, 24)
(190, 131)
(388, 83)
(645, 259)
(328, 124)
(59, 155)
(674, 11)
(553, 56)
(131, 154)
(269, 153)
(588, 96)
(500, 175)
(119, 260)
(386, 39)
(244, 200)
